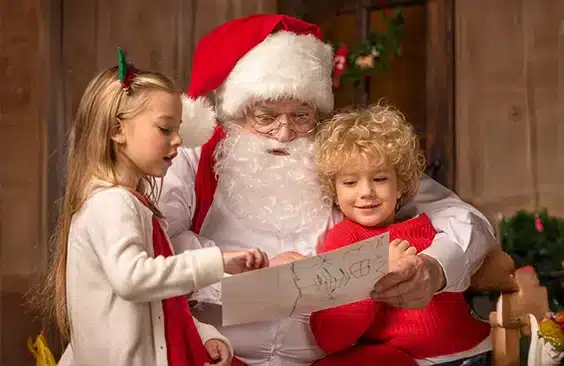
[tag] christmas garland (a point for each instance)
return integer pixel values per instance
(354, 64)
(537, 240)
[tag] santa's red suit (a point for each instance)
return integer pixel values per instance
(357, 333)
(231, 193)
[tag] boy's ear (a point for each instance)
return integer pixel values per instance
(116, 133)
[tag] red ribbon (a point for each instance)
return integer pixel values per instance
(126, 84)
(340, 64)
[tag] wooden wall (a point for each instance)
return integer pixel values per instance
(24, 92)
(510, 104)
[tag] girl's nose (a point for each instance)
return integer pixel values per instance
(176, 139)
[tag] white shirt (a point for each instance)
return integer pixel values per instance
(115, 286)
(463, 238)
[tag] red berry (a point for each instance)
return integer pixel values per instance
(559, 317)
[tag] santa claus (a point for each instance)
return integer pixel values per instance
(253, 183)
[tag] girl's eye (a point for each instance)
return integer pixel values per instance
(349, 183)
(380, 179)
(166, 131)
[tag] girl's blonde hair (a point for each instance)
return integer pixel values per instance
(93, 154)
(378, 134)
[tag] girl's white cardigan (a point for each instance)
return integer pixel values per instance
(115, 286)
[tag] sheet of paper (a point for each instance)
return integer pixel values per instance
(327, 280)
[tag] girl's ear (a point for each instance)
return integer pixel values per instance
(116, 133)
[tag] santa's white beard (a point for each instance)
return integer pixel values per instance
(271, 193)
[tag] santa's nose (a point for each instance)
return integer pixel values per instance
(284, 134)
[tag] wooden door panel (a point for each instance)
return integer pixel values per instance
(544, 46)
(403, 84)
(510, 104)
(493, 130)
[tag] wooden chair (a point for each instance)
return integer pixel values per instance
(519, 314)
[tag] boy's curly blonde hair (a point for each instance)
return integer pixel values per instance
(378, 135)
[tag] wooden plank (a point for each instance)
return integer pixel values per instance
(543, 43)
(439, 96)
(403, 83)
(373, 5)
(362, 29)
(493, 161)
(24, 71)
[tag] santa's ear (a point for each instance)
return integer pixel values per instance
(116, 133)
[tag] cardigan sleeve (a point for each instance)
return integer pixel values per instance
(208, 332)
(338, 328)
(464, 235)
(113, 222)
(67, 357)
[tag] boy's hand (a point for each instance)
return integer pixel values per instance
(219, 353)
(244, 260)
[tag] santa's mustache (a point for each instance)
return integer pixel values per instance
(265, 144)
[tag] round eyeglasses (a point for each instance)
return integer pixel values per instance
(300, 123)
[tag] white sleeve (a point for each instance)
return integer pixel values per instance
(208, 332)
(67, 357)
(177, 201)
(464, 235)
(123, 252)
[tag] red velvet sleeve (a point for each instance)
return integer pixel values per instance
(338, 328)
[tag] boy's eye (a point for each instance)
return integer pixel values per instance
(380, 179)
(349, 182)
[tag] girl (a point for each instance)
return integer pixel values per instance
(119, 290)
(370, 163)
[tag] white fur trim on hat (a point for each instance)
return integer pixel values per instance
(284, 65)
(198, 121)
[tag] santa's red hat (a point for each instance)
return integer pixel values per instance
(255, 58)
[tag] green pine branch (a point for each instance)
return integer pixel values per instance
(386, 44)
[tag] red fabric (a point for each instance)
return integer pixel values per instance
(445, 324)
(206, 181)
(218, 51)
(183, 342)
(368, 355)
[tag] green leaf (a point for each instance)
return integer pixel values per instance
(122, 65)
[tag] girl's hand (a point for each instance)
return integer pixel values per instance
(285, 258)
(219, 353)
(244, 261)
